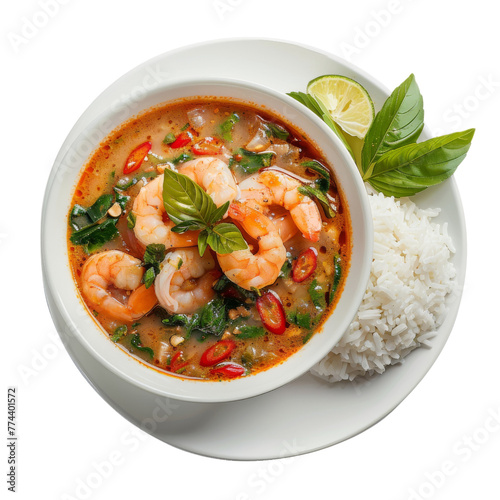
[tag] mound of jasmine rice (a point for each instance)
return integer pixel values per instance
(404, 303)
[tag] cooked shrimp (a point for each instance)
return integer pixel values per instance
(185, 281)
(280, 217)
(121, 270)
(276, 188)
(214, 176)
(150, 226)
(259, 270)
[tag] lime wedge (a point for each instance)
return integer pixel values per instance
(347, 102)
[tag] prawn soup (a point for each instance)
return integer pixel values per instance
(232, 291)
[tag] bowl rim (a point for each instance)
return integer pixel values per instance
(246, 386)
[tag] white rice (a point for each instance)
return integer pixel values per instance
(404, 303)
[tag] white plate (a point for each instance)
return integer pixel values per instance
(307, 414)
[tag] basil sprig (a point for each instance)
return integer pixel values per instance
(391, 159)
(191, 208)
(399, 122)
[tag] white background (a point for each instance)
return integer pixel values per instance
(52, 73)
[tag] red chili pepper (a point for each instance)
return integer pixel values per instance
(175, 366)
(271, 313)
(219, 351)
(229, 370)
(207, 146)
(183, 139)
(305, 265)
(136, 157)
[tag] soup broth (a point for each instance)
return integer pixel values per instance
(222, 315)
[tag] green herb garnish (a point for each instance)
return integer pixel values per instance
(313, 191)
(131, 218)
(226, 127)
(286, 269)
(210, 320)
(136, 342)
(391, 159)
(317, 167)
(317, 294)
(251, 162)
(336, 278)
(169, 138)
(81, 217)
(119, 333)
(190, 208)
(277, 131)
(120, 198)
(94, 236)
(153, 257)
(124, 184)
(319, 109)
(250, 332)
(185, 127)
(300, 319)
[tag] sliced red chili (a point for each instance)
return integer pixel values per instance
(271, 313)
(176, 364)
(136, 157)
(219, 351)
(207, 146)
(229, 370)
(305, 265)
(183, 139)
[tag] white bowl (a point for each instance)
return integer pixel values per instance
(73, 319)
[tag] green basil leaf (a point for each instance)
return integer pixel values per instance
(219, 213)
(94, 236)
(169, 138)
(213, 317)
(226, 238)
(286, 269)
(98, 210)
(149, 277)
(317, 294)
(250, 332)
(336, 279)
(183, 157)
(136, 342)
(313, 192)
(184, 200)
(252, 162)
(124, 183)
(277, 131)
(319, 109)
(226, 127)
(224, 283)
(300, 319)
(131, 218)
(189, 225)
(79, 218)
(202, 242)
(120, 198)
(154, 256)
(308, 101)
(398, 123)
(317, 167)
(119, 333)
(412, 168)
